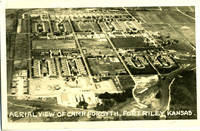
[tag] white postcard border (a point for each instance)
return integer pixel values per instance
(150, 124)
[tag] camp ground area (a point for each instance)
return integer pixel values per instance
(101, 60)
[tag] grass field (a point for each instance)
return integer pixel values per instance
(165, 29)
(21, 46)
(53, 44)
(187, 31)
(20, 65)
(126, 81)
(11, 24)
(165, 16)
(12, 66)
(9, 74)
(10, 45)
(67, 26)
(135, 42)
(95, 43)
(11, 20)
(12, 16)
(189, 10)
(86, 26)
(181, 31)
(169, 21)
(96, 47)
(98, 66)
(25, 26)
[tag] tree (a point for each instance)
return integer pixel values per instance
(83, 104)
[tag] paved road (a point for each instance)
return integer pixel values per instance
(82, 54)
(51, 30)
(150, 35)
(185, 13)
(166, 82)
(169, 88)
(136, 99)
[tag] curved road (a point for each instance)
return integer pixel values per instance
(166, 94)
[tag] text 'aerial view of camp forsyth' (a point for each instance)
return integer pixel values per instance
(101, 64)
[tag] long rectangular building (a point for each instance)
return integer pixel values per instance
(80, 66)
(52, 67)
(55, 27)
(116, 26)
(67, 27)
(36, 68)
(34, 27)
(104, 26)
(46, 26)
(65, 68)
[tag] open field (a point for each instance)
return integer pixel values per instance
(98, 52)
(126, 81)
(12, 16)
(53, 44)
(86, 26)
(165, 16)
(95, 43)
(25, 26)
(135, 42)
(20, 65)
(13, 66)
(187, 31)
(189, 10)
(171, 21)
(167, 30)
(67, 26)
(96, 47)
(9, 74)
(21, 46)
(99, 66)
(187, 60)
(10, 45)
(45, 86)
(186, 8)
(11, 23)
(11, 20)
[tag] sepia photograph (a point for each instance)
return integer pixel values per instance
(100, 64)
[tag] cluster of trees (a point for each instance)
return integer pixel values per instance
(82, 104)
(109, 100)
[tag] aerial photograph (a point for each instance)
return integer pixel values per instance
(101, 64)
